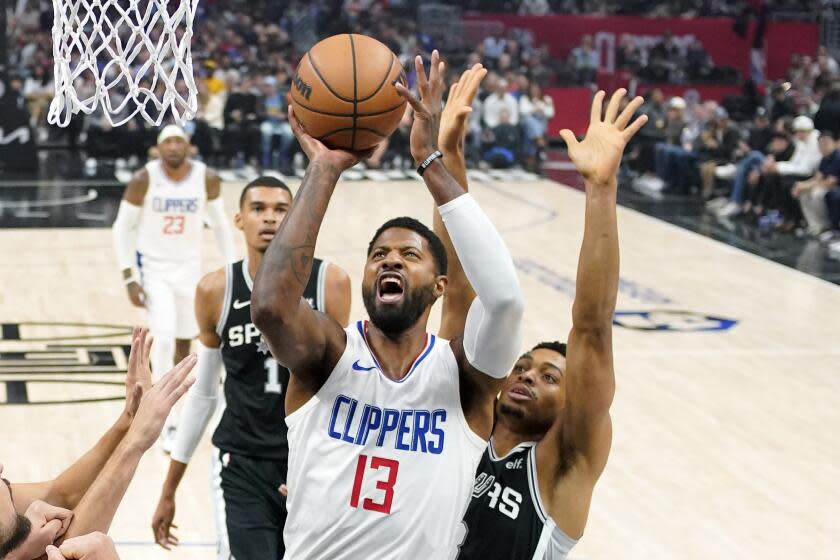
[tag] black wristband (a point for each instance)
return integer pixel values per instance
(428, 161)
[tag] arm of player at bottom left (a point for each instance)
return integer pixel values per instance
(200, 403)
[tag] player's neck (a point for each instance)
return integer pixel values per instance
(254, 260)
(176, 173)
(396, 353)
(507, 434)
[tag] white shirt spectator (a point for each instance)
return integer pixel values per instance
(544, 105)
(584, 57)
(494, 47)
(495, 104)
(535, 7)
(805, 159)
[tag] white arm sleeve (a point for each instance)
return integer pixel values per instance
(128, 217)
(493, 332)
(221, 229)
(201, 403)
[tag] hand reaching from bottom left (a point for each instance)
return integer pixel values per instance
(93, 546)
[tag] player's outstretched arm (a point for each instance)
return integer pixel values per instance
(492, 333)
(67, 489)
(590, 378)
(305, 341)
(97, 508)
(124, 235)
(219, 221)
(454, 122)
(199, 405)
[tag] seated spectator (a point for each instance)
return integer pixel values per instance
(662, 141)
(698, 62)
(628, 56)
(585, 59)
(781, 105)
(663, 59)
(828, 115)
(241, 136)
(535, 110)
(718, 144)
(502, 143)
(33, 515)
(497, 102)
(275, 125)
(812, 193)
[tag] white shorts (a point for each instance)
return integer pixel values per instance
(170, 296)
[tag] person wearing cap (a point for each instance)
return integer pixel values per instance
(158, 239)
(811, 194)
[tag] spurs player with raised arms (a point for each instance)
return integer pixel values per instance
(251, 451)
(386, 422)
(162, 215)
(553, 431)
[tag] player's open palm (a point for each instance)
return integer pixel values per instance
(427, 107)
(456, 113)
(158, 401)
(138, 378)
(316, 150)
(598, 156)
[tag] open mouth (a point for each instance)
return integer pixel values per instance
(267, 234)
(390, 288)
(519, 392)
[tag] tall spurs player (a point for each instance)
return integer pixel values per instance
(251, 451)
(162, 215)
(386, 422)
(552, 436)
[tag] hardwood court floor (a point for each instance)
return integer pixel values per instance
(725, 439)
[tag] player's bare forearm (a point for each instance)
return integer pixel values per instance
(277, 307)
(442, 186)
(173, 478)
(597, 274)
(97, 508)
(459, 293)
(67, 489)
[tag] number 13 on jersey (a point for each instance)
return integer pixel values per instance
(378, 464)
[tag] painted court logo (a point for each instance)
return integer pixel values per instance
(669, 320)
(62, 363)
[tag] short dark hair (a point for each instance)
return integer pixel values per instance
(264, 181)
(435, 244)
(559, 347)
(14, 536)
(829, 133)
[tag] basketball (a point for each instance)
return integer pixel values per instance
(343, 92)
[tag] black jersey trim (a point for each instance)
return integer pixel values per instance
(246, 275)
(491, 449)
(533, 484)
(220, 326)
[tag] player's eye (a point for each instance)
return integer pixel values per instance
(549, 378)
(518, 368)
(412, 254)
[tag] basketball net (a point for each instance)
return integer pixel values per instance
(128, 57)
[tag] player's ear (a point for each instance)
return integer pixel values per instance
(440, 285)
(237, 221)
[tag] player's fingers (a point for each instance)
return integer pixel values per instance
(475, 81)
(634, 127)
(181, 390)
(411, 98)
(613, 105)
(628, 112)
(180, 372)
(54, 554)
(453, 92)
(597, 107)
(148, 340)
(434, 68)
(421, 74)
(568, 137)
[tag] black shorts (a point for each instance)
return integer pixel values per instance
(252, 512)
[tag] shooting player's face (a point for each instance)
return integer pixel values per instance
(263, 210)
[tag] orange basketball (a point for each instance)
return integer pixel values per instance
(343, 92)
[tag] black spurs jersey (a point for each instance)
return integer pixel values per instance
(254, 420)
(505, 519)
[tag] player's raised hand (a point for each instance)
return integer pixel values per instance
(598, 155)
(138, 378)
(316, 150)
(157, 402)
(455, 116)
(48, 524)
(427, 108)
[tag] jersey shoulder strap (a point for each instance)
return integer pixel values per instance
(231, 269)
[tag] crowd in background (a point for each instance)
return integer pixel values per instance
(772, 159)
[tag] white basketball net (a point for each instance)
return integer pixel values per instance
(125, 56)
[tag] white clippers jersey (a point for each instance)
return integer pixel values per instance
(379, 468)
(172, 221)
